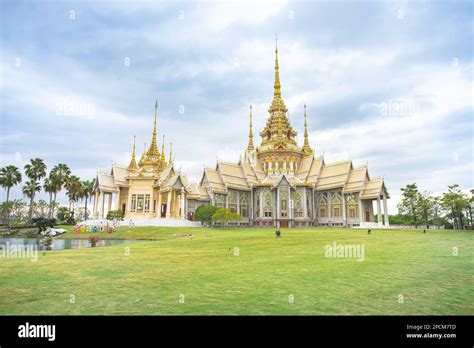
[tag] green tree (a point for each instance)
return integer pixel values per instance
(59, 175)
(9, 177)
(63, 213)
(11, 210)
(204, 213)
(454, 202)
(30, 189)
(74, 189)
(437, 219)
(425, 205)
(40, 208)
(470, 205)
(49, 186)
(86, 193)
(35, 170)
(224, 216)
(408, 205)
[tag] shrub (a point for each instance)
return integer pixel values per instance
(63, 213)
(114, 214)
(224, 215)
(204, 213)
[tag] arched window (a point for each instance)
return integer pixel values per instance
(336, 205)
(233, 201)
(298, 202)
(244, 204)
(323, 206)
(352, 206)
(219, 200)
(267, 203)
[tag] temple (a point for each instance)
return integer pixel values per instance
(148, 189)
(277, 183)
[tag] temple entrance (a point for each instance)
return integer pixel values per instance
(163, 210)
(123, 209)
(283, 223)
(367, 216)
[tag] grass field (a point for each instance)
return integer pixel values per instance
(179, 274)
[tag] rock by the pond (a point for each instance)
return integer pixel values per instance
(53, 232)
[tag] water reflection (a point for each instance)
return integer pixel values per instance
(60, 244)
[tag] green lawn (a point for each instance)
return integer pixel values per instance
(262, 279)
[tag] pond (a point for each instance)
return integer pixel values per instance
(60, 244)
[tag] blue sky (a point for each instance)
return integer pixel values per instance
(388, 83)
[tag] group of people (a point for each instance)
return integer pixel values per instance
(108, 226)
(95, 228)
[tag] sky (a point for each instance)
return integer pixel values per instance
(388, 84)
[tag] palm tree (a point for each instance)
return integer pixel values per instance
(50, 187)
(35, 170)
(9, 177)
(87, 192)
(29, 190)
(74, 188)
(59, 175)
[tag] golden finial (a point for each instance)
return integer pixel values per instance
(277, 86)
(250, 147)
(133, 163)
(171, 154)
(153, 152)
(306, 146)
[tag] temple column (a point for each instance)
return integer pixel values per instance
(96, 204)
(109, 205)
(385, 211)
(361, 210)
(329, 208)
(102, 204)
(159, 204)
(275, 213)
(305, 208)
(186, 208)
(290, 208)
(238, 204)
(261, 203)
(379, 212)
(278, 208)
(344, 217)
(251, 215)
(117, 200)
(182, 203)
(168, 205)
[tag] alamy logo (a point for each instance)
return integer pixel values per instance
(32, 331)
(345, 250)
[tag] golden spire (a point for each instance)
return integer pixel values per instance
(153, 153)
(163, 149)
(276, 85)
(171, 154)
(277, 103)
(133, 163)
(306, 147)
(250, 147)
(278, 127)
